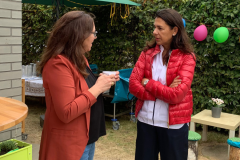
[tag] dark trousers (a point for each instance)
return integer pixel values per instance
(171, 143)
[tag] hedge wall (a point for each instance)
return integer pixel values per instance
(119, 45)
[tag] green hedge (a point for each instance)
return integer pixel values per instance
(119, 45)
(217, 72)
(37, 21)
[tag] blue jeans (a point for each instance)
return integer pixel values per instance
(88, 153)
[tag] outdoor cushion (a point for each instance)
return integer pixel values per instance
(234, 142)
(121, 92)
(193, 136)
(94, 68)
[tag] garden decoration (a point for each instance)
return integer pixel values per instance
(80, 3)
(221, 34)
(200, 33)
(234, 148)
(15, 149)
(217, 107)
(184, 22)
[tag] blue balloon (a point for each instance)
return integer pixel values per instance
(184, 22)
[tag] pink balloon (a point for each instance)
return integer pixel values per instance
(200, 33)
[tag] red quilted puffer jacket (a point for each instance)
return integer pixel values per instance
(180, 98)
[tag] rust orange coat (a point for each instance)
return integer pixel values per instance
(66, 124)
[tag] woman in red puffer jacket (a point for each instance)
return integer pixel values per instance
(161, 80)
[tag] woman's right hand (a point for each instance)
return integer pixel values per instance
(103, 83)
(175, 82)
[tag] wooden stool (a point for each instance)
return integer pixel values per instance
(193, 138)
(234, 153)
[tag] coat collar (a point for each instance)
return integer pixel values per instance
(153, 51)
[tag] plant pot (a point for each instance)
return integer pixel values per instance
(24, 153)
(216, 112)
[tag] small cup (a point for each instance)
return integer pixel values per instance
(109, 72)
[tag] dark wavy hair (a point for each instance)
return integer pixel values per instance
(67, 39)
(181, 40)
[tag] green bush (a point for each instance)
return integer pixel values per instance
(119, 45)
(7, 146)
(217, 70)
(36, 25)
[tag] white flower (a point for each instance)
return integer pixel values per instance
(217, 101)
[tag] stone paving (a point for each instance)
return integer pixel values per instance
(35, 151)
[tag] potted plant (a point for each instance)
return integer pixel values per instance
(14, 149)
(217, 107)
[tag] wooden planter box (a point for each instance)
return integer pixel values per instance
(24, 153)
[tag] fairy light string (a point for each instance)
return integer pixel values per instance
(127, 11)
(112, 11)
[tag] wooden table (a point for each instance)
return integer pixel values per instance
(12, 112)
(226, 121)
(34, 87)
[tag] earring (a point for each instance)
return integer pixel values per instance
(173, 34)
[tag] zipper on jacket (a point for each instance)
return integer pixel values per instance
(151, 62)
(154, 111)
(167, 86)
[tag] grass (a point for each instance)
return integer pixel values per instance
(33, 129)
(117, 144)
(214, 137)
(126, 135)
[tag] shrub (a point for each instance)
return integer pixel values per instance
(119, 45)
(7, 146)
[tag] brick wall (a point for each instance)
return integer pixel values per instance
(10, 48)
(10, 56)
(12, 133)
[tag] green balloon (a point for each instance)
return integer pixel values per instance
(221, 34)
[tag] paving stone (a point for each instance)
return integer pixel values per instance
(216, 152)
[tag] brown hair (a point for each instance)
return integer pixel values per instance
(67, 38)
(180, 41)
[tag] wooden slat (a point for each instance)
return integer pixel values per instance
(23, 100)
(23, 90)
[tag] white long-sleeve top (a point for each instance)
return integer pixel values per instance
(157, 115)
